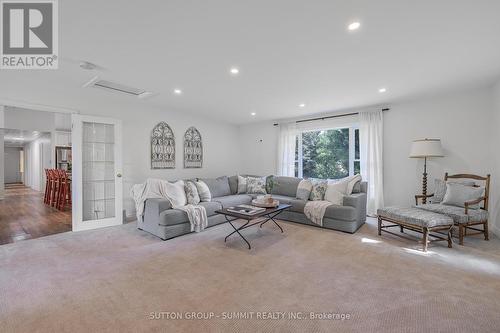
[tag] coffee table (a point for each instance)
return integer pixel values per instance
(269, 214)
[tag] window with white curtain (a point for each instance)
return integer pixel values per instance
(327, 153)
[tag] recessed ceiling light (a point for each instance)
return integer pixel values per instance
(234, 70)
(354, 26)
(177, 91)
(302, 105)
(253, 113)
(382, 90)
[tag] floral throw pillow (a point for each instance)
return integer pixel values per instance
(192, 195)
(256, 185)
(318, 189)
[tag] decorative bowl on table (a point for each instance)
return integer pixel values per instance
(265, 204)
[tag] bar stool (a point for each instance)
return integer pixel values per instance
(64, 198)
(55, 187)
(46, 197)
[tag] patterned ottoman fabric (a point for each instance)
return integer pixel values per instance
(457, 213)
(415, 216)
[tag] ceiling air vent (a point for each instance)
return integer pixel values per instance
(115, 87)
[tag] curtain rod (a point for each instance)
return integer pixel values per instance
(329, 117)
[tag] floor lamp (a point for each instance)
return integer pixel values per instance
(423, 149)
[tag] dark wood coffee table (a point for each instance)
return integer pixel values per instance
(269, 214)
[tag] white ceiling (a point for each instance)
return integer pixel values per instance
(288, 51)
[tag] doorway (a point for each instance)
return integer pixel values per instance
(33, 142)
(78, 157)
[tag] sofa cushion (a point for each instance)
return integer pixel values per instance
(233, 200)
(242, 185)
(233, 184)
(218, 187)
(457, 213)
(177, 216)
(211, 207)
(173, 217)
(344, 213)
(297, 204)
(286, 186)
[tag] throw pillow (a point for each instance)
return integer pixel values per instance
(203, 191)
(334, 196)
(175, 193)
(351, 181)
(439, 191)
(191, 193)
(440, 188)
(344, 185)
(458, 194)
(318, 189)
(242, 184)
(304, 189)
(256, 185)
(357, 188)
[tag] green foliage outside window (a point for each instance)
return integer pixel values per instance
(325, 154)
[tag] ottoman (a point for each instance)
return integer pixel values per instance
(429, 224)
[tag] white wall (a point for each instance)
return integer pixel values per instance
(220, 145)
(259, 146)
(495, 158)
(30, 120)
(12, 165)
(462, 120)
(37, 159)
(221, 156)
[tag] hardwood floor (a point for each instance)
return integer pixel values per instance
(23, 215)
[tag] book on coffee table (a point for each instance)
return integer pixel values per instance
(246, 209)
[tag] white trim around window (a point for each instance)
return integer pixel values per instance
(352, 148)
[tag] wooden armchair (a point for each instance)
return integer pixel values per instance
(472, 220)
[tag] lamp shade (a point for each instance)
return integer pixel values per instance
(426, 148)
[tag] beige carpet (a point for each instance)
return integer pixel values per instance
(115, 279)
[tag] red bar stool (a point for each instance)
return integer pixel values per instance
(46, 197)
(55, 186)
(64, 198)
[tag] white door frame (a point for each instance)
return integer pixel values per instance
(77, 173)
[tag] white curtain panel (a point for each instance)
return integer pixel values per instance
(371, 150)
(286, 149)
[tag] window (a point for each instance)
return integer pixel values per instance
(327, 154)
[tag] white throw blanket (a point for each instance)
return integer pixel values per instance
(197, 216)
(158, 188)
(315, 211)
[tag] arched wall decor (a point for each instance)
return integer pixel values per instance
(162, 147)
(193, 149)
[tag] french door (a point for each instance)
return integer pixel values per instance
(96, 172)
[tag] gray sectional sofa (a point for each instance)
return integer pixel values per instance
(163, 221)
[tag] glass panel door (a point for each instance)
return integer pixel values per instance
(96, 169)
